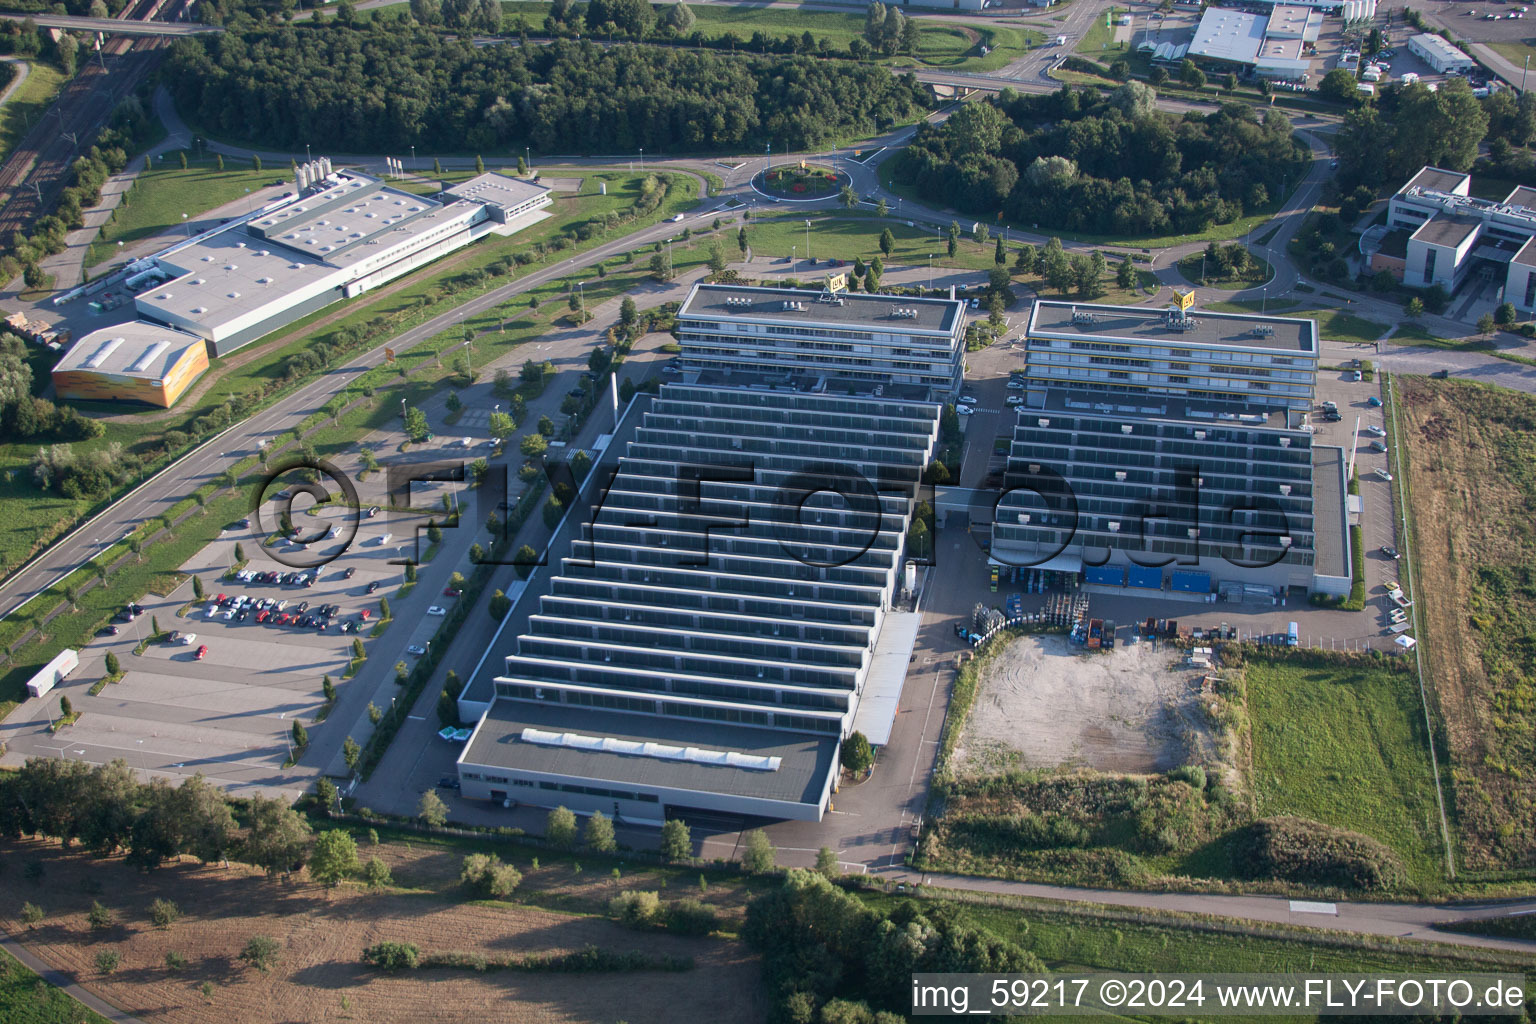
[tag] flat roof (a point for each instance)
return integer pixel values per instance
(806, 306)
(1288, 18)
(878, 704)
(1328, 522)
(1527, 254)
(1523, 195)
(804, 759)
(1447, 229)
(133, 349)
(1144, 323)
(1230, 35)
(1154, 406)
(1436, 179)
(496, 190)
(252, 262)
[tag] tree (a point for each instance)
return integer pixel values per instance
(1125, 274)
(278, 836)
(326, 795)
(1505, 314)
(256, 162)
(1229, 82)
(1486, 324)
(676, 840)
(554, 511)
(534, 445)
(1190, 75)
(757, 856)
(741, 239)
(392, 956)
(114, 667)
(107, 960)
(261, 952)
(328, 688)
(1339, 84)
(357, 648)
(300, 736)
(560, 827)
(100, 918)
(431, 809)
(999, 256)
(952, 247)
(488, 876)
(636, 908)
(848, 197)
(598, 835)
(376, 873)
(66, 708)
(661, 266)
(717, 260)
(197, 588)
(1415, 308)
(679, 18)
(31, 915)
(857, 754)
(333, 858)
(887, 242)
(164, 913)
(826, 862)
(351, 753)
(416, 427)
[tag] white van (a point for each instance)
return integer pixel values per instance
(382, 540)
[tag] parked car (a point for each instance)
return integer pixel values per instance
(1384, 474)
(438, 610)
(416, 649)
(1374, 402)
(448, 782)
(1390, 551)
(202, 652)
(452, 591)
(1013, 400)
(1379, 446)
(373, 510)
(351, 571)
(1375, 431)
(186, 639)
(373, 586)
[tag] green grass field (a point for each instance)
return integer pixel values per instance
(27, 999)
(159, 198)
(940, 44)
(1338, 326)
(1345, 745)
(28, 103)
(1098, 43)
(844, 236)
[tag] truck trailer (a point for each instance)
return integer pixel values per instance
(53, 673)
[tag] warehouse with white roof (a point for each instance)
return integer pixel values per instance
(132, 362)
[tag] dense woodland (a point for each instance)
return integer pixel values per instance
(393, 85)
(1076, 160)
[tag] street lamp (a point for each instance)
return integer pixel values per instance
(808, 241)
(642, 159)
(307, 157)
(582, 295)
(402, 408)
(186, 225)
(413, 158)
(792, 258)
(930, 271)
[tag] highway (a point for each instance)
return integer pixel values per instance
(115, 26)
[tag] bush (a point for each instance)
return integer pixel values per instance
(31, 914)
(635, 908)
(392, 956)
(174, 961)
(690, 917)
(857, 754)
(164, 913)
(1298, 850)
(261, 952)
(107, 961)
(560, 827)
(99, 917)
(486, 875)
(1190, 773)
(758, 855)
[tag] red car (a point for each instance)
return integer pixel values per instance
(364, 614)
(201, 652)
(451, 591)
(263, 615)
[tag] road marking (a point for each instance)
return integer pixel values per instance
(1305, 907)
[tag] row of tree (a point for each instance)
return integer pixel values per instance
(385, 91)
(1114, 163)
(1409, 127)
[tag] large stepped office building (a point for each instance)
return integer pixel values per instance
(1173, 436)
(703, 639)
(830, 338)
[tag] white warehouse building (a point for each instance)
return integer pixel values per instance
(343, 234)
(1439, 54)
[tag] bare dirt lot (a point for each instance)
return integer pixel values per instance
(320, 976)
(1471, 451)
(1045, 702)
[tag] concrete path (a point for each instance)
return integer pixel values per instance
(60, 980)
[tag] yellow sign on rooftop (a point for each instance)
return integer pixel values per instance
(1185, 297)
(837, 283)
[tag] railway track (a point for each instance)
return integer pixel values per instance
(36, 172)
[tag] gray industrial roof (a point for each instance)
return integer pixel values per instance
(1229, 35)
(1142, 323)
(1328, 524)
(804, 759)
(1157, 407)
(1436, 179)
(1447, 229)
(496, 190)
(855, 309)
(134, 349)
(1527, 254)
(1523, 195)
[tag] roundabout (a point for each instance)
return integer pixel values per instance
(803, 182)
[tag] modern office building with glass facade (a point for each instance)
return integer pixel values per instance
(704, 637)
(832, 338)
(1172, 440)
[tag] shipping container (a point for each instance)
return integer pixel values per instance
(53, 673)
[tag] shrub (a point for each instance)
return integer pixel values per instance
(164, 913)
(560, 827)
(107, 961)
(1190, 773)
(486, 875)
(376, 873)
(174, 961)
(31, 914)
(635, 908)
(1299, 850)
(261, 952)
(676, 840)
(392, 956)
(690, 917)
(857, 754)
(758, 856)
(99, 917)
